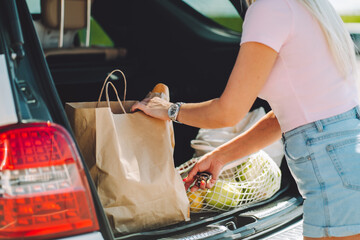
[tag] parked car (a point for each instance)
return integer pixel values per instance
(46, 191)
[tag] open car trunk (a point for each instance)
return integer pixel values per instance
(169, 42)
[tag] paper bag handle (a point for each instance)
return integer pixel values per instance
(106, 79)
(117, 96)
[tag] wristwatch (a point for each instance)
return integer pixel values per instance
(173, 111)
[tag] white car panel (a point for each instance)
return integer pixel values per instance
(89, 236)
(7, 106)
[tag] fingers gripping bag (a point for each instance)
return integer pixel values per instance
(255, 178)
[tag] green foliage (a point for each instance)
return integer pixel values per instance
(351, 18)
(98, 36)
(233, 23)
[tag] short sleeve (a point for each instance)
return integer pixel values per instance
(268, 22)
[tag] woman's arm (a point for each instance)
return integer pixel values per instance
(251, 70)
(263, 133)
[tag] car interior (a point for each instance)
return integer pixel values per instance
(151, 42)
(149, 45)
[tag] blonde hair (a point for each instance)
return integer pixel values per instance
(338, 38)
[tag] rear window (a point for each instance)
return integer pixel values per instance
(98, 36)
(220, 11)
(34, 6)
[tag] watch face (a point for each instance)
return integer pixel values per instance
(172, 110)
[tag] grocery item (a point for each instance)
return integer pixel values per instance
(134, 196)
(202, 178)
(223, 196)
(255, 179)
(196, 200)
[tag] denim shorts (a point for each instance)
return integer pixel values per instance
(324, 159)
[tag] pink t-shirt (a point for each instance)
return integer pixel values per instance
(305, 84)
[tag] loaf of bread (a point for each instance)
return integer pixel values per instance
(162, 90)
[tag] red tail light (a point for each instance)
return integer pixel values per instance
(43, 189)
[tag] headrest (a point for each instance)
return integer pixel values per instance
(74, 14)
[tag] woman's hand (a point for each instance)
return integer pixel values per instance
(208, 163)
(153, 106)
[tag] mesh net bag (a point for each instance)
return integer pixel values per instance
(256, 179)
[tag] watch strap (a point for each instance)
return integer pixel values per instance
(176, 108)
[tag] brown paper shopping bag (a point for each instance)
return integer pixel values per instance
(130, 157)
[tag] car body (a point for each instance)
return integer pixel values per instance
(161, 41)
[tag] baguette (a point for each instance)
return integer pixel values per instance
(163, 91)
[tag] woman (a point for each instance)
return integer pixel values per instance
(298, 56)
